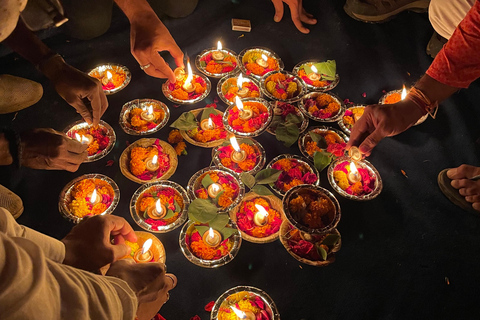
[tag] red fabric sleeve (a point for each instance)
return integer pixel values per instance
(458, 63)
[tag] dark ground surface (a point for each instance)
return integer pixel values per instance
(398, 250)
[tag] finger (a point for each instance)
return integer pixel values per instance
(75, 158)
(120, 251)
(160, 68)
(68, 166)
(476, 206)
(103, 101)
(118, 239)
(295, 14)
(359, 131)
(173, 281)
(118, 226)
(463, 171)
(75, 146)
(463, 183)
(307, 17)
(177, 55)
(278, 4)
(82, 110)
(473, 198)
(370, 142)
(96, 103)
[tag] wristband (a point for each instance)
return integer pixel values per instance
(46, 59)
(423, 102)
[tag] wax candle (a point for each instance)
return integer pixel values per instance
(207, 124)
(261, 216)
(94, 198)
(212, 237)
(355, 153)
(107, 78)
(353, 176)
(158, 211)
(262, 62)
(244, 114)
(238, 155)
(152, 163)
(242, 92)
(214, 189)
(148, 115)
(188, 85)
(314, 76)
(144, 255)
(218, 55)
(243, 314)
(84, 139)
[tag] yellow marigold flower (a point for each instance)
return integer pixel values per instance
(136, 121)
(341, 179)
(311, 147)
(146, 202)
(297, 204)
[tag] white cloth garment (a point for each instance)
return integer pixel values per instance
(34, 284)
(445, 15)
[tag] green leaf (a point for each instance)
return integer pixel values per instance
(322, 252)
(203, 64)
(206, 181)
(293, 118)
(177, 206)
(287, 133)
(321, 160)
(202, 229)
(220, 221)
(202, 211)
(276, 120)
(262, 190)
(186, 122)
(227, 232)
(247, 179)
(267, 176)
(145, 214)
(218, 196)
(318, 139)
(239, 141)
(170, 213)
(331, 240)
(327, 69)
(207, 112)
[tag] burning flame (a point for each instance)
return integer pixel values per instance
(215, 188)
(239, 313)
(146, 245)
(264, 57)
(239, 103)
(314, 69)
(93, 197)
(239, 81)
(219, 45)
(190, 74)
(150, 109)
(404, 92)
(210, 233)
(158, 206)
(353, 168)
(210, 122)
(261, 210)
(155, 159)
(234, 143)
(81, 138)
(109, 75)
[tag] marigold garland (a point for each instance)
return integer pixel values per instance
(249, 61)
(81, 206)
(256, 122)
(323, 106)
(365, 186)
(230, 89)
(281, 86)
(294, 173)
(100, 138)
(139, 157)
(245, 218)
(135, 121)
(168, 196)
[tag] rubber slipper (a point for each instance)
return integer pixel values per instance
(444, 182)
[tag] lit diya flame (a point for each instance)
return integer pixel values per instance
(107, 78)
(261, 216)
(94, 198)
(148, 115)
(212, 237)
(152, 164)
(158, 206)
(238, 155)
(144, 254)
(242, 92)
(353, 175)
(207, 124)
(218, 55)
(146, 246)
(188, 86)
(214, 189)
(158, 211)
(247, 315)
(314, 76)
(244, 114)
(262, 62)
(83, 139)
(404, 93)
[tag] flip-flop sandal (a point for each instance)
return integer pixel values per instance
(444, 182)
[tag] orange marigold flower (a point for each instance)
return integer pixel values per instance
(180, 94)
(146, 202)
(180, 147)
(311, 147)
(202, 194)
(297, 204)
(393, 98)
(174, 136)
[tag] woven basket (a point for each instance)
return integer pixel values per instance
(284, 228)
(210, 144)
(146, 142)
(274, 202)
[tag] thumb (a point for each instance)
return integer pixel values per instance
(82, 110)
(120, 251)
(278, 4)
(371, 141)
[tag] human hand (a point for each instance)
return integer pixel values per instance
(297, 12)
(147, 280)
(78, 89)
(88, 245)
(468, 188)
(380, 121)
(149, 36)
(51, 150)
(148, 310)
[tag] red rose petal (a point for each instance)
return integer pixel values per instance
(127, 143)
(176, 106)
(110, 163)
(196, 317)
(364, 94)
(209, 306)
(158, 316)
